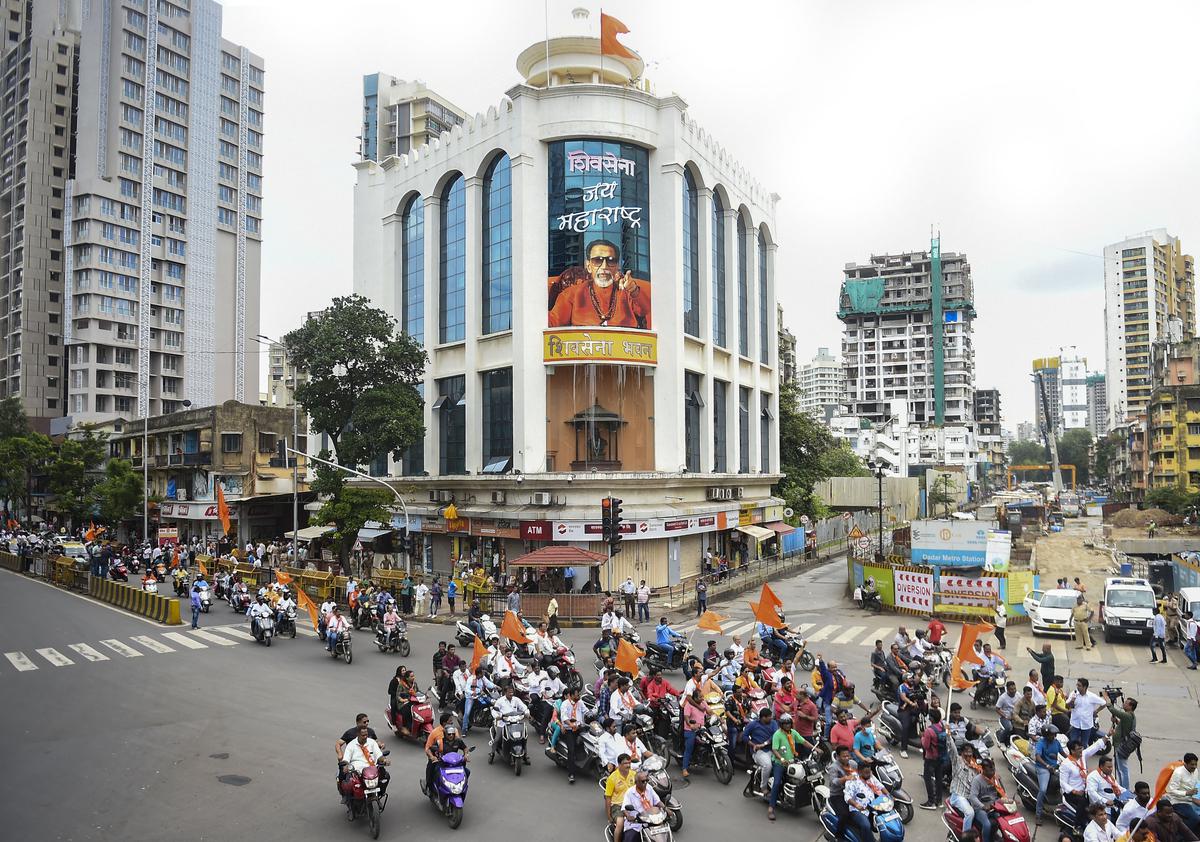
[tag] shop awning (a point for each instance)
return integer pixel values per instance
(780, 528)
(309, 532)
(756, 532)
(559, 555)
(368, 534)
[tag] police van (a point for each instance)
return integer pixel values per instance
(1128, 608)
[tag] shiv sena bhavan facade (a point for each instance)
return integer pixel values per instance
(592, 277)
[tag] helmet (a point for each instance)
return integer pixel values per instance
(450, 731)
(1052, 730)
(781, 615)
(552, 671)
(907, 676)
(785, 719)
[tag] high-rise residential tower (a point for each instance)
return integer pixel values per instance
(132, 280)
(400, 116)
(1149, 297)
(1097, 401)
(821, 384)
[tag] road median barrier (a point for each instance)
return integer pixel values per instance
(140, 602)
(10, 562)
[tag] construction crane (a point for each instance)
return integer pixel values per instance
(1048, 434)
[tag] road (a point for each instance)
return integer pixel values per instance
(126, 729)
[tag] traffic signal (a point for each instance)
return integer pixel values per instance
(606, 530)
(614, 536)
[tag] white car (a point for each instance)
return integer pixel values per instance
(1128, 608)
(1050, 611)
(1189, 600)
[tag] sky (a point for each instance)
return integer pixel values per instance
(1030, 134)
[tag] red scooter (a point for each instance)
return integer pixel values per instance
(420, 719)
(1009, 823)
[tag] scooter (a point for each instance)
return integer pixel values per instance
(205, 599)
(800, 783)
(465, 635)
(449, 793)
(884, 819)
(589, 746)
(656, 767)
(888, 773)
(239, 601)
(263, 629)
(1024, 773)
(118, 571)
(1064, 816)
(420, 715)
(394, 641)
(508, 739)
(872, 601)
(181, 585)
(655, 827)
(1010, 825)
(364, 794)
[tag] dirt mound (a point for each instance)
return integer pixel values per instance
(1134, 518)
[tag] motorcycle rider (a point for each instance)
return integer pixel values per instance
(449, 743)
(665, 637)
(351, 734)
(258, 610)
(622, 702)
(399, 695)
(364, 752)
(859, 792)
(477, 691)
(505, 705)
(737, 716)
(773, 640)
(1103, 789)
(335, 627)
(908, 704)
(605, 647)
(620, 781)
(879, 667)
(986, 790)
(284, 605)
(839, 772)
(543, 687)
(391, 621)
(758, 735)
(640, 798)
(919, 648)
(785, 744)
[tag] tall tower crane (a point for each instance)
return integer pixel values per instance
(1047, 431)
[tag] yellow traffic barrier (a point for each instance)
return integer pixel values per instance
(140, 602)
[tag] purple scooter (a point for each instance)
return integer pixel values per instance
(450, 787)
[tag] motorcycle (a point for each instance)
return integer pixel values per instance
(657, 657)
(884, 819)
(364, 794)
(712, 748)
(656, 768)
(872, 601)
(160, 571)
(564, 659)
(394, 641)
(118, 571)
(205, 599)
(800, 783)
(363, 617)
(888, 773)
(1024, 773)
(341, 647)
(937, 665)
(239, 601)
(589, 747)
(263, 629)
(420, 719)
(1010, 825)
(987, 691)
(449, 792)
(508, 739)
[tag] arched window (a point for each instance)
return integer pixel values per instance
(743, 272)
(412, 264)
(764, 309)
(718, 270)
(691, 257)
(497, 246)
(453, 263)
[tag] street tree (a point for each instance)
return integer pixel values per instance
(119, 495)
(1073, 449)
(74, 471)
(22, 459)
(362, 392)
(942, 494)
(1027, 453)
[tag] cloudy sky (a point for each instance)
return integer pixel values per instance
(1030, 133)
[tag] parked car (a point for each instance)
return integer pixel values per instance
(1189, 600)
(1050, 611)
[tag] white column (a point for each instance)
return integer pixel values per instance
(474, 287)
(704, 215)
(529, 312)
(754, 461)
(433, 227)
(773, 378)
(731, 341)
(666, 254)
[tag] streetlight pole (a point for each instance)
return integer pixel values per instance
(877, 469)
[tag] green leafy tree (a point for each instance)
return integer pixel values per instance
(1028, 453)
(119, 495)
(1106, 449)
(1073, 449)
(74, 472)
(1171, 498)
(809, 453)
(22, 458)
(13, 421)
(941, 496)
(363, 374)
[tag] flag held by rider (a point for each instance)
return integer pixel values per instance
(768, 597)
(710, 621)
(511, 628)
(222, 508)
(479, 654)
(766, 615)
(627, 657)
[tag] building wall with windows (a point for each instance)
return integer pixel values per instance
(822, 382)
(485, 244)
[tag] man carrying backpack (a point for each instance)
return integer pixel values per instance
(1125, 738)
(935, 743)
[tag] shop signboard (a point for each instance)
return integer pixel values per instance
(961, 543)
(193, 511)
(168, 535)
(495, 528)
(999, 548)
(536, 530)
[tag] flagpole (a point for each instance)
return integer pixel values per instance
(601, 45)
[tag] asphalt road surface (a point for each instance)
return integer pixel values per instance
(125, 729)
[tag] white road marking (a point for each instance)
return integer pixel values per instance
(152, 644)
(88, 652)
(803, 627)
(305, 630)
(233, 631)
(1092, 656)
(213, 638)
(741, 629)
(121, 649)
(55, 657)
(822, 633)
(849, 634)
(184, 640)
(878, 634)
(1124, 655)
(19, 661)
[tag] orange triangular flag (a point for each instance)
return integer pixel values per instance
(480, 653)
(283, 578)
(511, 628)
(957, 680)
(91, 533)
(966, 643)
(627, 657)
(768, 597)
(709, 621)
(306, 602)
(203, 569)
(610, 28)
(222, 508)
(766, 615)
(1164, 778)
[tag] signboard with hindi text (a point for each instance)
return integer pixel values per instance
(600, 345)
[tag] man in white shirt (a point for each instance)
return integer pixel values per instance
(421, 593)
(462, 679)
(478, 689)
(738, 649)
(643, 602)
(285, 604)
(902, 639)
(257, 611)
(629, 593)
(611, 745)
(622, 702)
(1182, 792)
(509, 703)
(639, 799)
(351, 587)
(505, 667)
(607, 619)
(1083, 705)
(1099, 829)
(620, 625)
(571, 717)
(1136, 808)
(1102, 786)
(1072, 776)
(365, 752)
(1035, 684)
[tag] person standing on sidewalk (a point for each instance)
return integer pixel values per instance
(435, 597)
(643, 603)
(1001, 617)
(629, 593)
(195, 606)
(1158, 640)
(1082, 615)
(701, 596)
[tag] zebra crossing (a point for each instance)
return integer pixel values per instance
(134, 646)
(837, 634)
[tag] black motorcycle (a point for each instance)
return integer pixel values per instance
(287, 623)
(871, 601)
(658, 657)
(509, 736)
(800, 783)
(712, 749)
(393, 641)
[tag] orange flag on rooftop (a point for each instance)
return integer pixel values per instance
(610, 28)
(512, 629)
(308, 605)
(627, 657)
(966, 643)
(480, 653)
(957, 680)
(709, 621)
(222, 508)
(768, 597)
(766, 615)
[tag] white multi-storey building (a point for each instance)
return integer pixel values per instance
(592, 276)
(821, 383)
(1072, 380)
(160, 206)
(1149, 296)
